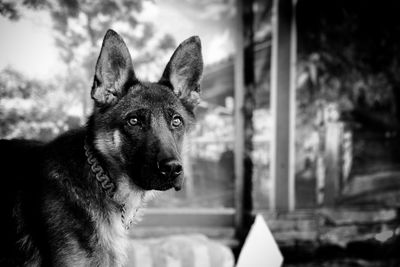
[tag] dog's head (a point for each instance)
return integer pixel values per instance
(138, 127)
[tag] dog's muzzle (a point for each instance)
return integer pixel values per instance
(172, 170)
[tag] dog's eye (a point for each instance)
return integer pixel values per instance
(133, 121)
(176, 121)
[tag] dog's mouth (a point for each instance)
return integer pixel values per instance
(166, 187)
(160, 183)
(177, 184)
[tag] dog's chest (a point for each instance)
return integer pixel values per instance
(114, 241)
(113, 233)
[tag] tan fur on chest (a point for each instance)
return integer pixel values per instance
(114, 239)
(112, 234)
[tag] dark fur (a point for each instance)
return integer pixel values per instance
(54, 213)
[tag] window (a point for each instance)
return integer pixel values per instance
(207, 202)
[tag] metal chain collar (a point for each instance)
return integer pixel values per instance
(105, 181)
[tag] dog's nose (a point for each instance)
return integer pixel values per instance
(170, 168)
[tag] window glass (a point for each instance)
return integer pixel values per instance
(262, 117)
(208, 153)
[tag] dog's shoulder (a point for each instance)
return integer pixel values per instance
(24, 159)
(18, 149)
(19, 161)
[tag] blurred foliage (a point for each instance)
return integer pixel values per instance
(33, 109)
(8, 10)
(11, 8)
(81, 25)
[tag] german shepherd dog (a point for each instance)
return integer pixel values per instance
(70, 202)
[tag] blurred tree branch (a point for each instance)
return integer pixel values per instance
(10, 9)
(31, 108)
(79, 29)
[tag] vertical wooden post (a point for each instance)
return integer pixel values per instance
(283, 102)
(244, 105)
(238, 117)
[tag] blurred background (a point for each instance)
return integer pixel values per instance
(337, 63)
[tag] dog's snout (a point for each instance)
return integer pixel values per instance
(170, 168)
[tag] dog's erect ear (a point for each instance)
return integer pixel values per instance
(114, 71)
(184, 70)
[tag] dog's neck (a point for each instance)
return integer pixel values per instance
(129, 200)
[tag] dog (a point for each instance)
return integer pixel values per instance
(71, 201)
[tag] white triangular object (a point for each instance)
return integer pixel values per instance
(260, 248)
